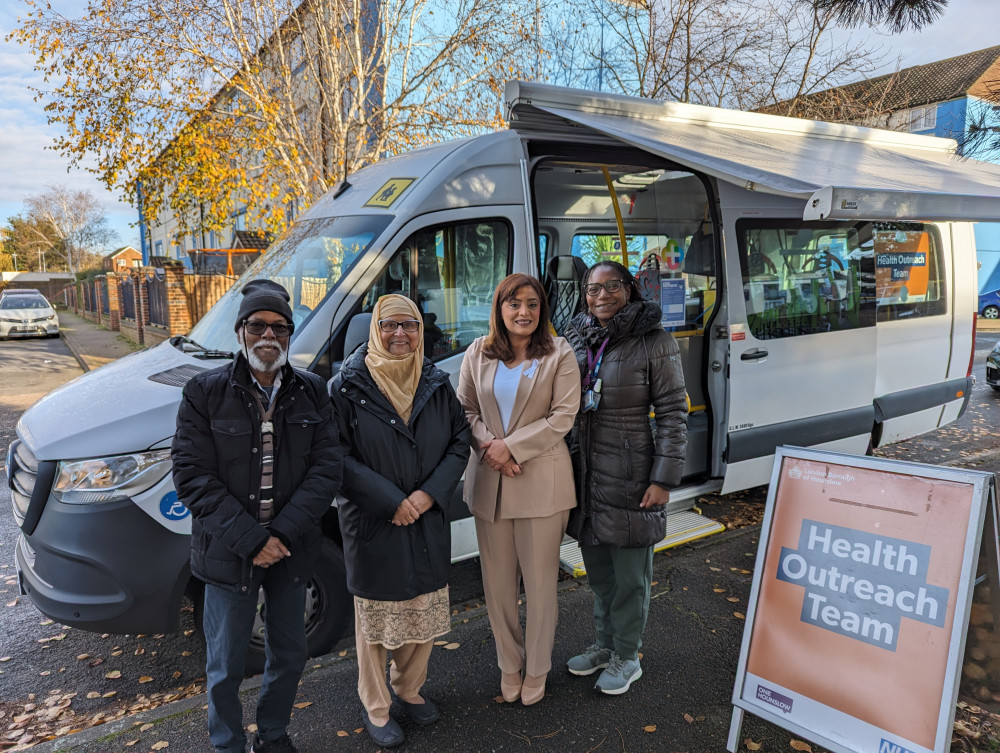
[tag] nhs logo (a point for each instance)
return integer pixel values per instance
(890, 747)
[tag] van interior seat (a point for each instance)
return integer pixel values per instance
(563, 275)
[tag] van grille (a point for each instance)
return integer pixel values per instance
(30, 482)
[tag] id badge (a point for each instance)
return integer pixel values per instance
(591, 400)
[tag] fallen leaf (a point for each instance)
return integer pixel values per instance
(303, 705)
(440, 643)
(689, 719)
(98, 660)
(93, 694)
(452, 646)
(341, 733)
(5, 658)
(119, 652)
(649, 728)
(250, 727)
(498, 699)
(81, 657)
(732, 598)
(799, 745)
(160, 745)
(751, 745)
(114, 674)
(718, 590)
(176, 674)
(131, 743)
(185, 653)
(144, 680)
(145, 727)
(110, 693)
(739, 615)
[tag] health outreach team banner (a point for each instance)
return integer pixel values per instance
(857, 619)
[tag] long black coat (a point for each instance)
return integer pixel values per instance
(216, 469)
(385, 461)
(618, 453)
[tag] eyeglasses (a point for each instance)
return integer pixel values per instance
(278, 330)
(612, 286)
(391, 325)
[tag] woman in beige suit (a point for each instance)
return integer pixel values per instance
(520, 387)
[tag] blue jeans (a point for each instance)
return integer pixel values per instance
(228, 622)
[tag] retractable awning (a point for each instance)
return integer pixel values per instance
(840, 171)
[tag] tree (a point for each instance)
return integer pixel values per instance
(210, 105)
(69, 228)
(730, 53)
(897, 15)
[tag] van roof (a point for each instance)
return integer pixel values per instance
(840, 171)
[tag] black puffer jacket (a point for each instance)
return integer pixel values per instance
(386, 460)
(618, 453)
(216, 468)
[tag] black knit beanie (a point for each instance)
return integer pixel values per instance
(263, 295)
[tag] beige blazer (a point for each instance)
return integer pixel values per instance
(544, 409)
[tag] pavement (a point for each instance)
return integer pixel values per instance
(90, 343)
(681, 704)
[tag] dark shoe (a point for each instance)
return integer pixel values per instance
(282, 745)
(422, 713)
(388, 736)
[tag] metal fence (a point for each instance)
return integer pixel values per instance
(89, 295)
(127, 298)
(102, 285)
(156, 295)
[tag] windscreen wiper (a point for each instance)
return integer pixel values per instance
(193, 349)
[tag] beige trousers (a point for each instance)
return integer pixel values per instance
(407, 672)
(511, 551)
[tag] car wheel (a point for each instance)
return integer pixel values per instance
(329, 609)
(991, 312)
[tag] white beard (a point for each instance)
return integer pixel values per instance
(257, 363)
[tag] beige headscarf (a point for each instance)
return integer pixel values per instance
(396, 376)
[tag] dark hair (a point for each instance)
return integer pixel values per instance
(634, 294)
(497, 343)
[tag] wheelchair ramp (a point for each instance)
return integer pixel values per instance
(682, 527)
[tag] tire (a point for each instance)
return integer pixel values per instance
(329, 609)
(991, 312)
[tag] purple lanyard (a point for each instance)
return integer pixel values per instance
(594, 364)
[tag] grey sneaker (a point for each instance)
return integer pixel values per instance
(591, 660)
(619, 675)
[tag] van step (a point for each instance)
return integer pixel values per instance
(682, 527)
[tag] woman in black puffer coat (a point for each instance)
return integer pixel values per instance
(626, 462)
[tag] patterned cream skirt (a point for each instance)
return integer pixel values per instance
(393, 623)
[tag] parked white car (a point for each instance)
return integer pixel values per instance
(27, 316)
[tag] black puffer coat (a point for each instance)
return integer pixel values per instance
(618, 453)
(216, 469)
(386, 460)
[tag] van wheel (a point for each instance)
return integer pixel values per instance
(991, 312)
(329, 609)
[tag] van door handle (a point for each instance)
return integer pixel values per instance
(753, 355)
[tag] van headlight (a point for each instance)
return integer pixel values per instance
(97, 480)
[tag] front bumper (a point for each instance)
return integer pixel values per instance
(28, 329)
(992, 373)
(104, 568)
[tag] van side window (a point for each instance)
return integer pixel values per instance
(909, 273)
(451, 272)
(803, 278)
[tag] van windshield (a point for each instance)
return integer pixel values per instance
(309, 259)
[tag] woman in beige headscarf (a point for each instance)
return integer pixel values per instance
(406, 443)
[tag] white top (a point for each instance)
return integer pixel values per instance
(505, 386)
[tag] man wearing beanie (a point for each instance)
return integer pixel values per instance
(257, 461)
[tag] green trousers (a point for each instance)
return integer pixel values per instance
(620, 579)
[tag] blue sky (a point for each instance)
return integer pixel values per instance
(27, 166)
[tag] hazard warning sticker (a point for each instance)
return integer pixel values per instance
(388, 193)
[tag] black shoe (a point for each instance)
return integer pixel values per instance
(422, 713)
(282, 745)
(388, 736)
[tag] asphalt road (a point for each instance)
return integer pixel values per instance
(45, 659)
